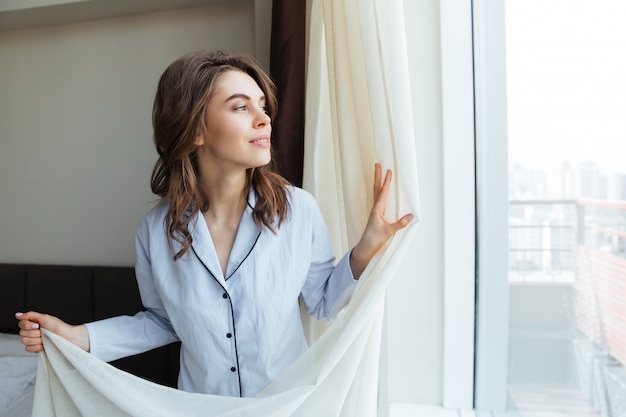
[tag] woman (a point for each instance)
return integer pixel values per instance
(223, 258)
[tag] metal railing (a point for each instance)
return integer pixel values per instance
(542, 241)
(581, 243)
(545, 235)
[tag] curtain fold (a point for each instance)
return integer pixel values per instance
(358, 111)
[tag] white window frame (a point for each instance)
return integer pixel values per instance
(457, 90)
(492, 305)
(476, 290)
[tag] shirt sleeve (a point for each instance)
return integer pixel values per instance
(122, 336)
(327, 288)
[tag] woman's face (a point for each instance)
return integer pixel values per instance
(238, 128)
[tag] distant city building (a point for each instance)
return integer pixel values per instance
(616, 187)
(566, 181)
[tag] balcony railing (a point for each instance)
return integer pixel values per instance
(545, 236)
(582, 244)
(542, 241)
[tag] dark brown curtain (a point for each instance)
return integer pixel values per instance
(287, 70)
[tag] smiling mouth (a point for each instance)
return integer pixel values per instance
(261, 141)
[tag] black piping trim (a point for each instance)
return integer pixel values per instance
(230, 301)
(232, 315)
(244, 259)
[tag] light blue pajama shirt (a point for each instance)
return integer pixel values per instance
(238, 331)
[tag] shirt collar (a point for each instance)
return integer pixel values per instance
(247, 235)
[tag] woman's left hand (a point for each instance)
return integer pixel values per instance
(378, 230)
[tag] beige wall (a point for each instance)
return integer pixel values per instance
(75, 140)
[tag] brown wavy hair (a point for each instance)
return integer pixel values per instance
(178, 117)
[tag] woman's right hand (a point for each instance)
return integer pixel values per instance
(31, 323)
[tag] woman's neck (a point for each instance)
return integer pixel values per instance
(227, 195)
(227, 203)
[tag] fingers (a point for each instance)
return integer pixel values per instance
(389, 229)
(33, 345)
(29, 324)
(378, 170)
(381, 192)
(384, 191)
(31, 316)
(404, 221)
(381, 188)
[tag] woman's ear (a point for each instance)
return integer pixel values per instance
(199, 140)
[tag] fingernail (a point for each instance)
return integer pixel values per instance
(411, 217)
(19, 314)
(35, 326)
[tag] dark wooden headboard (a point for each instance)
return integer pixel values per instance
(80, 294)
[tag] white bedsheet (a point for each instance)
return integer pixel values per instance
(22, 405)
(17, 376)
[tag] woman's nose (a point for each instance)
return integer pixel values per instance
(263, 118)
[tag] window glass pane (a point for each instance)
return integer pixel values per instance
(566, 89)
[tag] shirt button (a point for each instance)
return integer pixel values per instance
(224, 295)
(228, 335)
(233, 369)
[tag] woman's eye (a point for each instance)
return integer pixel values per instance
(241, 108)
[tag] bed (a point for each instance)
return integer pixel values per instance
(77, 294)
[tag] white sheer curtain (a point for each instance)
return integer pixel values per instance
(358, 112)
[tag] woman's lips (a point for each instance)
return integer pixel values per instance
(262, 141)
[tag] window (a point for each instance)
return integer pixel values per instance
(566, 100)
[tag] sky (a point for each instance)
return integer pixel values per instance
(566, 82)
